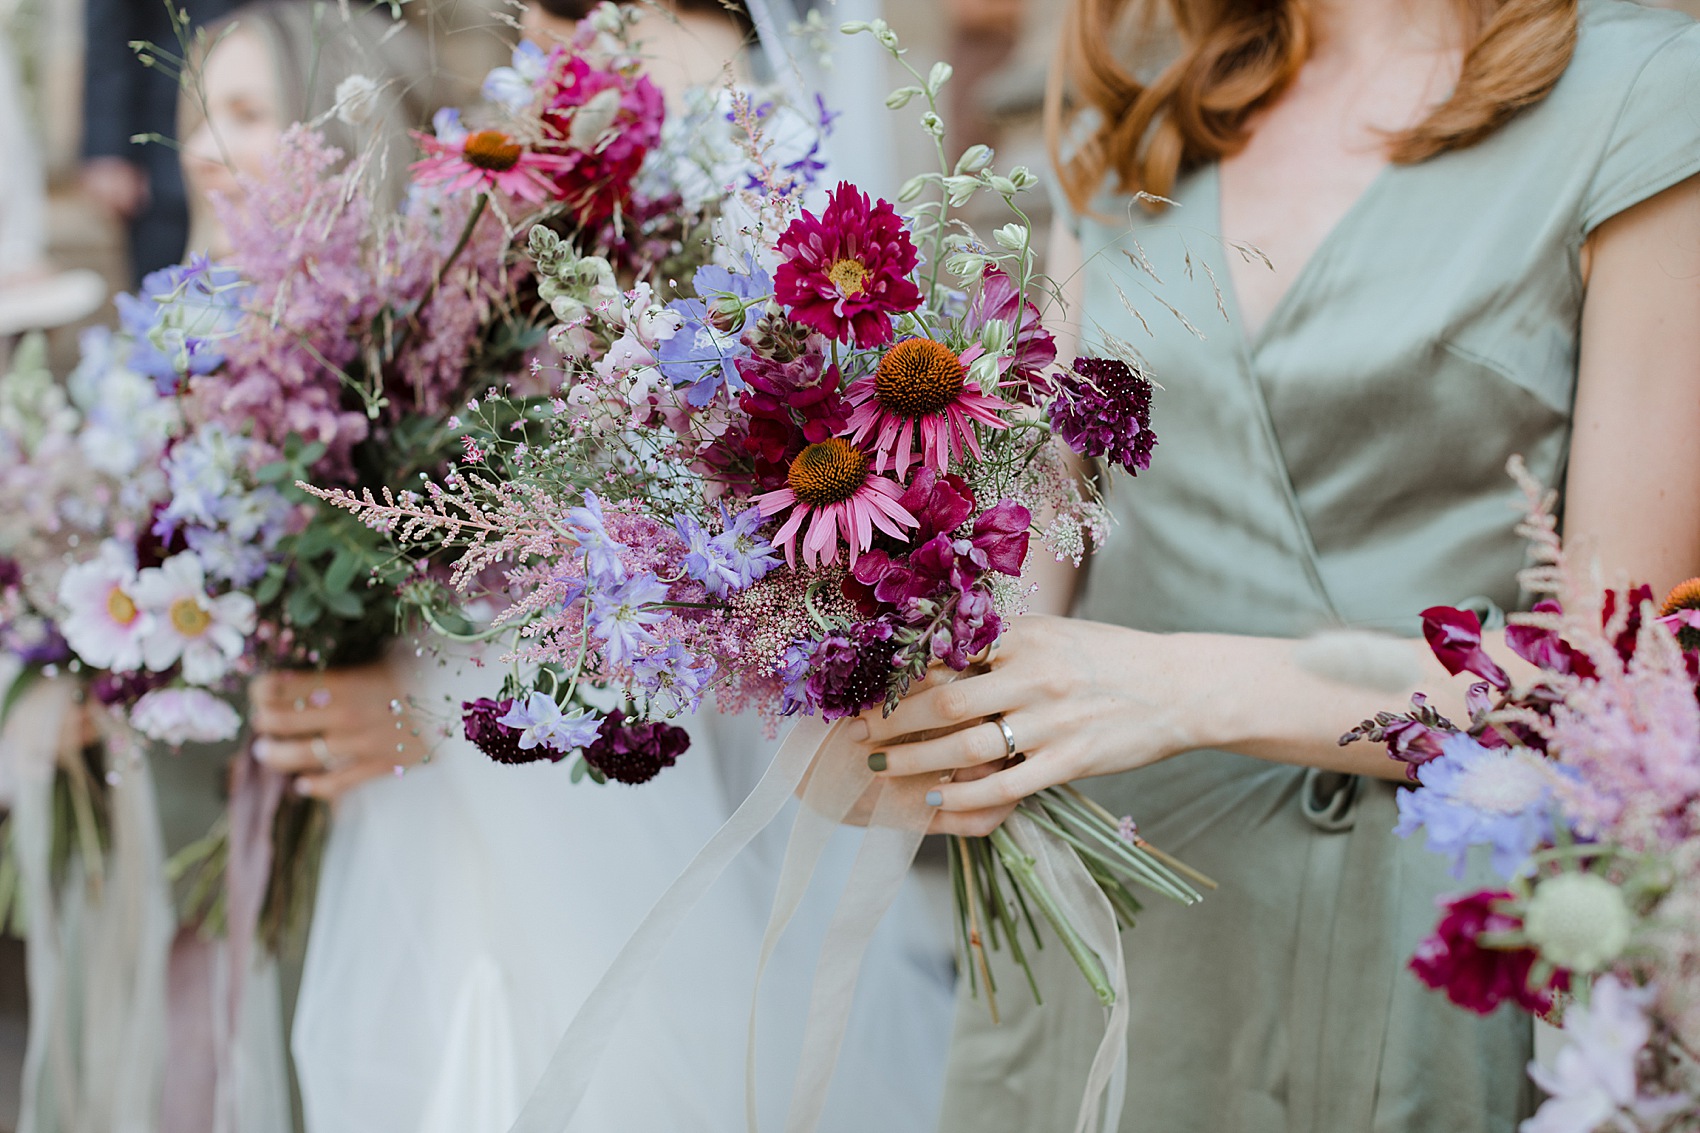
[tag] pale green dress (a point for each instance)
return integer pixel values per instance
(1344, 468)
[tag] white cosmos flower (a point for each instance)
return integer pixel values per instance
(105, 622)
(205, 633)
(184, 715)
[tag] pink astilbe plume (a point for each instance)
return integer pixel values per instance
(298, 237)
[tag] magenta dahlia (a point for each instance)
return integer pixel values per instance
(920, 386)
(1103, 409)
(846, 272)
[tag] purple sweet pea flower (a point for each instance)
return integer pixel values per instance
(1456, 638)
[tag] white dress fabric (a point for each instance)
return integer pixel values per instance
(467, 908)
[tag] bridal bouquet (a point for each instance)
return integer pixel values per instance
(332, 344)
(802, 478)
(1585, 787)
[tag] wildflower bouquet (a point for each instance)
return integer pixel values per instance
(332, 344)
(802, 482)
(1585, 785)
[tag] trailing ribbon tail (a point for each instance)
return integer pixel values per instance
(569, 1073)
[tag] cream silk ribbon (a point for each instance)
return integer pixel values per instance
(898, 821)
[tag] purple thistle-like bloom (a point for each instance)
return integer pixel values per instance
(178, 322)
(1103, 409)
(847, 672)
(674, 679)
(635, 753)
(1477, 796)
(542, 723)
(481, 720)
(702, 354)
(620, 617)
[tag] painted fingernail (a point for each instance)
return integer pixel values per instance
(262, 749)
(876, 761)
(320, 698)
(303, 787)
(935, 798)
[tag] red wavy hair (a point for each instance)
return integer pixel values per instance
(1237, 56)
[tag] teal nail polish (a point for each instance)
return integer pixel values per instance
(876, 761)
(934, 798)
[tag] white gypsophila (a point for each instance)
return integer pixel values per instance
(184, 715)
(356, 100)
(1578, 921)
(699, 157)
(190, 626)
(103, 621)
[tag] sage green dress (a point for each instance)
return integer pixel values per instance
(1344, 468)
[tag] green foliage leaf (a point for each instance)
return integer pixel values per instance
(304, 608)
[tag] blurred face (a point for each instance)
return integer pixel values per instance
(244, 116)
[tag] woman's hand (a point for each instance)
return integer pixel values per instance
(1079, 698)
(335, 729)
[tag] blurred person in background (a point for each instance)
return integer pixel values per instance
(687, 43)
(139, 183)
(34, 295)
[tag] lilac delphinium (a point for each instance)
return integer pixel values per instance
(1103, 409)
(704, 352)
(601, 551)
(1472, 795)
(674, 680)
(620, 617)
(730, 561)
(515, 86)
(542, 723)
(179, 320)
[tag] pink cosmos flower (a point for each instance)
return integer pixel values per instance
(489, 160)
(920, 385)
(846, 272)
(830, 485)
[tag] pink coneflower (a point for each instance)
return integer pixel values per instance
(846, 272)
(831, 482)
(919, 384)
(490, 160)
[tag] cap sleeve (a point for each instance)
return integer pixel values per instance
(1655, 142)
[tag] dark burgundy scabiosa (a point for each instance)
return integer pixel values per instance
(1103, 409)
(635, 753)
(126, 688)
(844, 673)
(482, 719)
(1472, 975)
(846, 272)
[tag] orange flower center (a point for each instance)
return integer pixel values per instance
(189, 618)
(918, 377)
(828, 473)
(492, 150)
(120, 607)
(849, 276)
(1685, 596)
